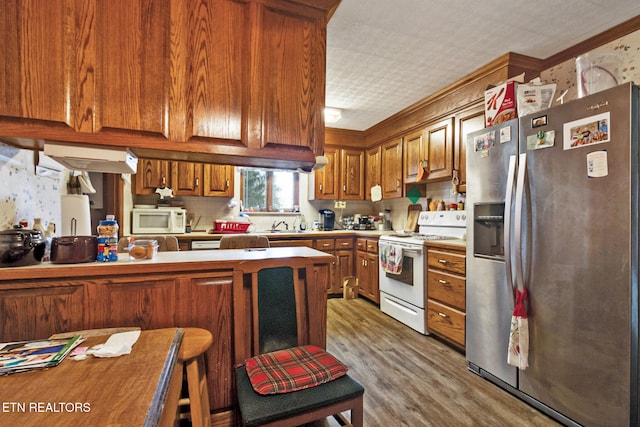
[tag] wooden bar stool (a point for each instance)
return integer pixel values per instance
(194, 344)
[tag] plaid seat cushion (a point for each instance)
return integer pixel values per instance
(292, 369)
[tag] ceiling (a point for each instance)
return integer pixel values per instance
(383, 56)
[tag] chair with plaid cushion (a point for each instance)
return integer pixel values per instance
(284, 381)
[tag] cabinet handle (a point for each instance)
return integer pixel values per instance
(442, 315)
(362, 263)
(326, 244)
(216, 282)
(227, 183)
(164, 181)
(443, 282)
(345, 244)
(321, 188)
(197, 182)
(366, 263)
(443, 261)
(397, 183)
(344, 188)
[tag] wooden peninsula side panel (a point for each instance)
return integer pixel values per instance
(177, 289)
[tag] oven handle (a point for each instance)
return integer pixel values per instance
(411, 249)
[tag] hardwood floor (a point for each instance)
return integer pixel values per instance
(415, 380)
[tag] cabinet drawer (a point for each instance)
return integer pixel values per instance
(372, 246)
(361, 244)
(446, 288)
(446, 322)
(280, 243)
(325, 244)
(344, 243)
(449, 261)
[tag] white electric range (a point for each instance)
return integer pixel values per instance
(403, 294)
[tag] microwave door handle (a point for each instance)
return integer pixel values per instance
(508, 204)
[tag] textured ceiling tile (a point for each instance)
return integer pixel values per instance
(383, 56)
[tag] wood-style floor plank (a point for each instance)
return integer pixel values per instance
(416, 380)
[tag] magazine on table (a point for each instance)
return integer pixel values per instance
(22, 356)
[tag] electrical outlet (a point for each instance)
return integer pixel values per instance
(340, 204)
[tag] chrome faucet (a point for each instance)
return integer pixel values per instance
(274, 226)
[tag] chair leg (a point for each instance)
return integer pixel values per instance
(198, 393)
(357, 413)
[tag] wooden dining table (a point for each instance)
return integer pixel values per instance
(138, 389)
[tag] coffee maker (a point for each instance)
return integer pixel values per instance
(327, 219)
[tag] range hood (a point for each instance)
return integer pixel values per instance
(91, 158)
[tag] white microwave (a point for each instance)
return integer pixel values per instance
(158, 221)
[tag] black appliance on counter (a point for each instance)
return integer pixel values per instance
(327, 219)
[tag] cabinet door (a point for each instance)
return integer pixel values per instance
(373, 289)
(373, 170)
(414, 154)
(40, 311)
(289, 77)
(344, 268)
(218, 41)
(36, 79)
(440, 150)
(151, 174)
(392, 169)
(186, 178)
(132, 69)
(327, 179)
(218, 180)
(466, 122)
(352, 174)
(148, 302)
(207, 303)
(361, 272)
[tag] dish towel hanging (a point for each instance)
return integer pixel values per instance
(391, 258)
(518, 355)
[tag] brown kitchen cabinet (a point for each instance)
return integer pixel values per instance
(342, 267)
(184, 178)
(241, 81)
(58, 308)
(391, 156)
(373, 173)
(431, 148)
(151, 174)
(466, 121)
(446, 303)
(218, 180)
(367, 268)
(343, 177)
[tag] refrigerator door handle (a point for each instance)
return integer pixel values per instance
(508, 204)
(522, 175)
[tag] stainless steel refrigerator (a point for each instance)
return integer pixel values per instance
(552, 201)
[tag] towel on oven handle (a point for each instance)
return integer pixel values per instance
(390, 258)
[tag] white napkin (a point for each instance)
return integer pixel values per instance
(117, 345)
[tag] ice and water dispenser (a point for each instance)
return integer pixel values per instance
(488, 230)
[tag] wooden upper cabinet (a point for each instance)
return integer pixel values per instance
(439, 150)
(415, 153)
(152, 174)
(218, 181)
(467, 121)
(373, 174)
(288, 77)
(216, 36)
(327, 179)
(132, 40)
(186, 178)
(352, 174)
(343, 177)
(35, 79)
(392, 169)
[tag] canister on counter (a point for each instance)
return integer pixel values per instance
(108, 240)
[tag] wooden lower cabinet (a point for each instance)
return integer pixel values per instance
(342, 267)
(446, 294)
(367, 268)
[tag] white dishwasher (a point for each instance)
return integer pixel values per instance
(198, 245)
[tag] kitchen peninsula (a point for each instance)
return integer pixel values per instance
(204, 289)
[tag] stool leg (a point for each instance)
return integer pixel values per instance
(198, 393)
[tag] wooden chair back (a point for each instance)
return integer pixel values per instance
(242, 241)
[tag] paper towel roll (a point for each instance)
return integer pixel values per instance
(76, 206)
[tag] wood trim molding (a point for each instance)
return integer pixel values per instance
(594, 42)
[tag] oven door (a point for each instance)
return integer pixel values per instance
(409, 285)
